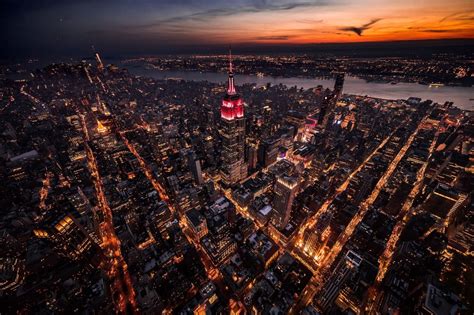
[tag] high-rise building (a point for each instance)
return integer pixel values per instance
(268, 151)
(298, 121)
(338, 85)
(100, 65)
(329, 101)
(159, 218)
(220, 247)
(195, 168)
(285, 191)
(365, 188)
(68, 237)
(327, 106)
(315, 239)
(233, 168)
(345, 269)
(12, 264)
(253, 156)
(197, 223)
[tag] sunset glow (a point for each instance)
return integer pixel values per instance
(320, 22)
(153, 25)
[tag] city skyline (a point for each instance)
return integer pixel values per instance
(326, 168)
(241, 198)
(141, 27)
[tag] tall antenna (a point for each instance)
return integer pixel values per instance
(230, 82)
(230, 59)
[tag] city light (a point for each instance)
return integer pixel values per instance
(282, 179)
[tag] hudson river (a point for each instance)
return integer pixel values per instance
(462, 97)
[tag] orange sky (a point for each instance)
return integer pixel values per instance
(330, 21)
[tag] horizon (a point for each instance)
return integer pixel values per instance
(404, 48)
(70, 28)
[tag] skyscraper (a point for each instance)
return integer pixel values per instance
(346, 268)
(253, 156)
(315, 239)
(338, 85)
(100, 65)
(233, 167)
(326, 109)
(329, 101)
(159, 218)
(68, 237)
(195, 167)
(285, 191)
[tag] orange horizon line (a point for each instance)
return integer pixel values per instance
(287, 42)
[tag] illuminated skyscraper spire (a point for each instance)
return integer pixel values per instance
(230, 82)
(233, 168)
(232, 105)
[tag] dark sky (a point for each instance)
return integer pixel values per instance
(37, 28)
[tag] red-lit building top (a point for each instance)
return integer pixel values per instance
(232, 105)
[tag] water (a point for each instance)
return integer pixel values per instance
(462, 97)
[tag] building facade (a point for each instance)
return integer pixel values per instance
(233, 168)
(285, 191)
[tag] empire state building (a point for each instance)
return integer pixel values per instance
(233, 168)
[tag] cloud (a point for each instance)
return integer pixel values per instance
(438, 31)
(359, 30)
(460, 16)
(255, 7)
(275, 37)
(309, 21)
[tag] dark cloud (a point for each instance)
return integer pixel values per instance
(359, 30)
(256, 7)
(438, 31)
(434, 30)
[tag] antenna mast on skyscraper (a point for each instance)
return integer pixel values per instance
(230, 59)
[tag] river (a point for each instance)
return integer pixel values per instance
(462, 97)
